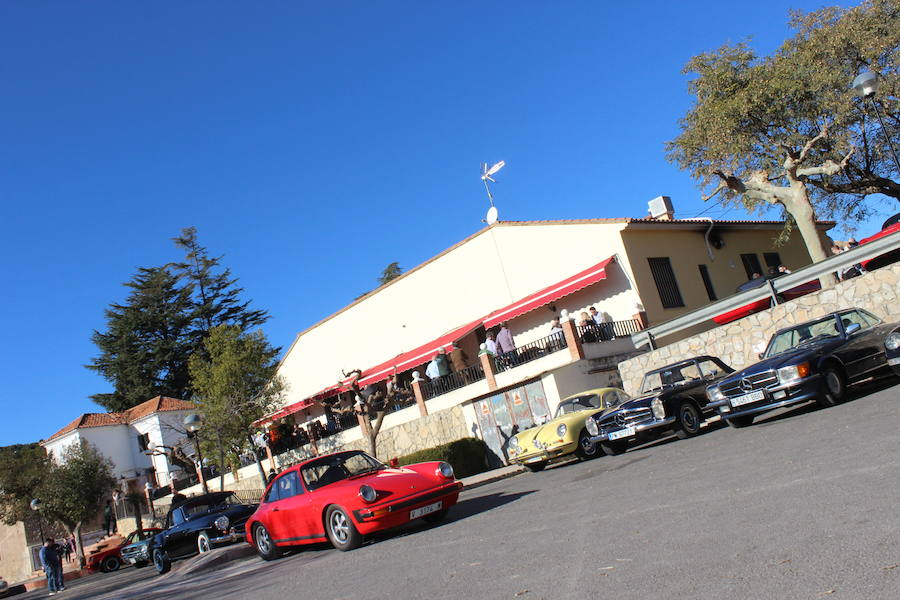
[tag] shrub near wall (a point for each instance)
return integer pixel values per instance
(466, 456)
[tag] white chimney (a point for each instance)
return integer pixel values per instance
(661, 208)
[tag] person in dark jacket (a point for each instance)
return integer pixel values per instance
(52, 566)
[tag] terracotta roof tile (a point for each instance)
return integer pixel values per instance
(154, 405)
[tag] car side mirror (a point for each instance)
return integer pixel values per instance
(761, 355)
(853, 328)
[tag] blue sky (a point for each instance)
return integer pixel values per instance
(312, 144)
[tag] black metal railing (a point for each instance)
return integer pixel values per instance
(603, 332)
(530, 351)
(400, 402)
(453, 381)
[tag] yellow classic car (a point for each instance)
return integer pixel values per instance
(565, 433)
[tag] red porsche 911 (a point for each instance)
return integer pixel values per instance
(344, 496)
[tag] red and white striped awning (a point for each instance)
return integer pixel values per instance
(549, 294)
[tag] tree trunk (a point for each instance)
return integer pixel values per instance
(262, 471)
(373, 429)
(799, 206)
(221, 464)
(79, 545)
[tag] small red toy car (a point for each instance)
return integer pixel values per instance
(344, 496)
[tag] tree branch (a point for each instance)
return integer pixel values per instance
(807, 148)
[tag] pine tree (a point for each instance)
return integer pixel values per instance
(147, 343)
(215, 296)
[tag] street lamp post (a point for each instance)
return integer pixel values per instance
(866, 85)
(192, 423)
(36, 507)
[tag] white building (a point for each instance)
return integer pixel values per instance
(126, 437)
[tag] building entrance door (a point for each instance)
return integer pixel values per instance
(503, 415)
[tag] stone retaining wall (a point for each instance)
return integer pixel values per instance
(734, 343)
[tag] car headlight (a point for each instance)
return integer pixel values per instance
(591, 425)
(445, 470)
(892, 341)
(367, 493)
(222, 523)
(657, 408)
(514, 442)
(715, 394)
(561, 430)
(793, 374)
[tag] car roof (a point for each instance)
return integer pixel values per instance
(598, 391)
(832, 315)
(684, 362)
(203, 498)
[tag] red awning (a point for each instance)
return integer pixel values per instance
(549, 294)
(413, 358)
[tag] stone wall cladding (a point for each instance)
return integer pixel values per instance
(734, 343)
(431, 430)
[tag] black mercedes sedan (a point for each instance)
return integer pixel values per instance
(672, 398)
(815, 360)
(195, 525)
(892, 349)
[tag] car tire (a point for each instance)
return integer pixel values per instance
(834, 388)
(161, 562)
(140, 564)
(687, 421)
(535, 467)
(203, 545)
(613, 448)
(738, 422)
(264, 544)
(436, 517)
(586, 449)
(110, 564)
(340, 529)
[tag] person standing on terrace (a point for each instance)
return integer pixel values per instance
(505, 343)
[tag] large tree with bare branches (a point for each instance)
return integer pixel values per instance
(787, 129)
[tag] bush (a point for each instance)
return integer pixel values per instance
(466, 456)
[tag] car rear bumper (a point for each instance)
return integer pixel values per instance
(397, 512)
(638, 429)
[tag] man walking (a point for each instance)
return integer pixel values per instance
(109, 519)
(52, 566)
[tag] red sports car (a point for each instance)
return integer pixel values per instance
(344, 496)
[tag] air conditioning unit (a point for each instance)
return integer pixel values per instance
(661, 208)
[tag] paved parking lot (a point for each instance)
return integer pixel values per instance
(802, 505)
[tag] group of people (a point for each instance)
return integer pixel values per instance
(596, 326)
(443, 364)
(284, 436)
(51, 556)
(854, 271)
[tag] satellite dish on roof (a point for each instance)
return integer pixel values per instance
(486, 173)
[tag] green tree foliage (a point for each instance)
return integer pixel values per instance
(75, 487)
(235, 384)
(786, 129)
(147, 342)
(216, 296)
(23, 468)
(170, 310)
(392, 271)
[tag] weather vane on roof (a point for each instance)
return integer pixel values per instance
(485, 177)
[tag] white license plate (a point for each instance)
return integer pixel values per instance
(748, 398)
(534, 459)
(622, 433)
(894, 361)
(425, 510)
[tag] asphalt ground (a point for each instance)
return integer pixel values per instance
(804, 504)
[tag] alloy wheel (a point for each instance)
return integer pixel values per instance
(339, 527)
(263, 542)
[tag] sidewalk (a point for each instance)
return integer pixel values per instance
(491, 476)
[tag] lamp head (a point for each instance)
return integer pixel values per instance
(35, 504)
(865, 84)
(192, 422)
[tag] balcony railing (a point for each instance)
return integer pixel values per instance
(603, 332)
(453, 381)
(530, 351)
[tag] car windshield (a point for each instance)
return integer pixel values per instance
(212, 504)
(337, 467)
(803, 334)
(570, 405)
(670, 376)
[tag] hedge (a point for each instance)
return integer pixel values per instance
(467, 456)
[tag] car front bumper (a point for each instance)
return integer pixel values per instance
(894, 362)
(398, 511)
(775, 397)
(639, 428)
(543, 455)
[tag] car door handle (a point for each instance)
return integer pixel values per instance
(275, 509)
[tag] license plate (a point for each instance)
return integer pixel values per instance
(622, 433)
(425, 510)
(894, 361)
(748, 398)
(534, 459)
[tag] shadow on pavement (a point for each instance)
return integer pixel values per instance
(613, 466)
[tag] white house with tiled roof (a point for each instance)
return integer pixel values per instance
(123, 437)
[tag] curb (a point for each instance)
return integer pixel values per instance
(479, 481)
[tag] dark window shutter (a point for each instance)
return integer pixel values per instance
(707, 282)
(666, 285)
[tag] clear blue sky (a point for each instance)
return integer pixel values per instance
(312, 144)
